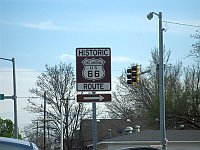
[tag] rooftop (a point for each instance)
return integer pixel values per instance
(154, 135)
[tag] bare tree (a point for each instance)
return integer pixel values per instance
(58, 82)
(195, 51)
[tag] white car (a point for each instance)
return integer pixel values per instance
(16, 144)
(139, 148)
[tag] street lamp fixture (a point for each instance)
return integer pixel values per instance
(161, 81)
(150, 15)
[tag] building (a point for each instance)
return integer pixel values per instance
(176, 140)
(106, 128)
(119, 133)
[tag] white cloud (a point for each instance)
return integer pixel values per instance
(44, 25)
(121, 59)
(65, 57)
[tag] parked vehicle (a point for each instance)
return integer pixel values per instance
(16, 144)
(139, 148)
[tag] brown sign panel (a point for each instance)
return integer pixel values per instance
(94, 98)
(93, 69)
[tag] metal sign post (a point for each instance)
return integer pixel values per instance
(94, 125)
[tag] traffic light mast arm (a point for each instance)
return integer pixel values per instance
(3, 97)
(147, 71)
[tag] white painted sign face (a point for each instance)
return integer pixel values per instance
(93, 69)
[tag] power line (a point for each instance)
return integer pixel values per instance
(11, 112)
(21, 71)
(27, 97)
(182, 24)
(116, 70)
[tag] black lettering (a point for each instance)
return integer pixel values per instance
(93, 52)
(106, 52)
(90, 73)
(99, 52)
(85, 86)
(96, 73)
(87, 52)
(93, 86)
(81, 52)
(101, 86)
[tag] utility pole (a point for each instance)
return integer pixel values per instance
(66, 119)
(61, 122)
(161, 85)
(37, 133)
(15, 99)
(161, 81)
(14, 96)
(44, 120)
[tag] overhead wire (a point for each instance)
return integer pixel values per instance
(41, 71)
(182, 24)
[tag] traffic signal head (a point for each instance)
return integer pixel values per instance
(1, 96)
(129, 70)
(133, 74)
(136, 68)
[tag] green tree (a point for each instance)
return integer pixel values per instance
(192, 86)
(6, 128)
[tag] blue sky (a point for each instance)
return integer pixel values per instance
(39, 32)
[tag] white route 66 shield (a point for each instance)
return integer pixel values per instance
(93, 69)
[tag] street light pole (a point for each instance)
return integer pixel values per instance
(161, 81)
(161, 85)
(14, 97)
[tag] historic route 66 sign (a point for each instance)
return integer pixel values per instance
(93, 69)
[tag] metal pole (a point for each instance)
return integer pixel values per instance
(61, 123)
(15, 100)
(37, 133)
(14, 97)
(67, 121)
(94, 125)
(161, 86)
(44, 120)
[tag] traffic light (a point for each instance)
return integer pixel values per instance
(133, 74)
(1, 96)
